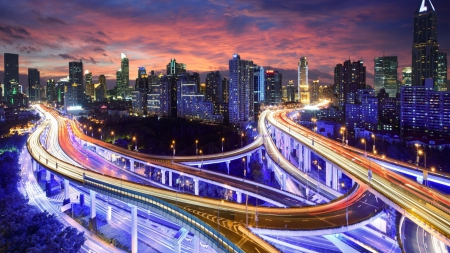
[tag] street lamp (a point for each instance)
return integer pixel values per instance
(425, 157)
(92, 131)
(344, 133)
(101, 135)
(245, 167)
(314, 120)
(201, 152)
(222, 144)
(365, 147)
(114, 137)
(242, 135)
(432, 169)
(346, 206)
(85, 129)
(196, 150)
(135, 142)
(173, 146)
(417, 158)
(374, 149)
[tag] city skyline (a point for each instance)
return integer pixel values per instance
(204, 35)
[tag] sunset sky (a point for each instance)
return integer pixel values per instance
(204, 34)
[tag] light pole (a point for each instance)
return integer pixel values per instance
(135, 142)
(222, 144)
(196, 150)
(417, 158)
(314, 120)
(374, 149)
(114, 137)
(245, 167)
(343, 132)
(365, 146)
(101, 134)
(346, 206)
(201, 166)
(425, 157)
(92, 131)
(85, 131)
(242, 135)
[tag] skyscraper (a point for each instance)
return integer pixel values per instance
(272, 87)
(314, 91)
(120, 91)
(76, 82)
(125, 67)
(11, 64)
(348, 78)
(51, 91)
(240, 103)
(89, 84)
(425, 49)
(386, 74)
(303, 81)
(259, 88)
(406, 76)
(290, 90)
(214, 92)
(34, 85)
(441, 72)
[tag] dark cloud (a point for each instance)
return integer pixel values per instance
(94, 40)
(14, 32)
(28, 49)
(98, 49)
(61, 38)
(67, 56)
(52, 21)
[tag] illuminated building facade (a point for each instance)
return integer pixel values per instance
(272, 86)
(34, 85)
(386, 75)
(303, 81)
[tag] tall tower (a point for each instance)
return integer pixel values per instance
(303, 81)
(386, 75)
(11, 75)
(425, 49)
(125, 69)
(240, 102)
(89, 84)
(34, 85)
(76, 81)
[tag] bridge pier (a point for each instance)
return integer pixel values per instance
(108, 214)
(47, 175)
(178, 238)
(34, 164)
(307, 159)
(196, 186)
(238, 197)
(134, 234)
(163, 176)
(334, 179)
(228, 167)
(283, 181)
(170, 178)
(66, 192)
(93, 219)
(328, 174)
(131, 165)
(260, 155)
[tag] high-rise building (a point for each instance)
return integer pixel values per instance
(388, 112)
(120, 90)
(303, 81)
(175, 68)
(76, 81)
(89, 84)
(34, 85)
(142, 81)
(290, 91)
(425, 113)
(213, 91)
(225, 89)
(348, 78)
(425, 49)
(441, 72)
(314, 91)
(272, 85)
(363, 113)
(153, 96)
(240, 103)
(51, 91)
(406, 76)
(11, 75)
(125, 68)
(386, 74)
(259, 88)
(100, 92)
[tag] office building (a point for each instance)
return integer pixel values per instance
(100, 92)
(290, 91)
(51, 91)
(303, 81)
(441, 72)
(123, 89)
(406, 76)
(137, 102)
(425, 113)
(89, 84)
(386, 75)
(11, 75)
(314, 92)
(363, 113)
(225, 89)
(34, 85)
(241, 107)
(120, 89)
(348, 78)
(272, 83)
(76, 78)
(259, 89)
(213, 89)
(388, 112)
(154, 94)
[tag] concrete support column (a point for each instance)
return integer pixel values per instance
(228, 167)
(339, 175)
(328, 172)
(170, 178)
(283, 181)
(33, 164)
(196, 186)
(132, 165)
(260, 154)
(108, 214)
(163, 176)
(93, 219)
(47, 175)
(66, 191)
(196, 242)
(334, 178)
(178, 239)
(306, 159)
(238, 197)
(134, 234)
